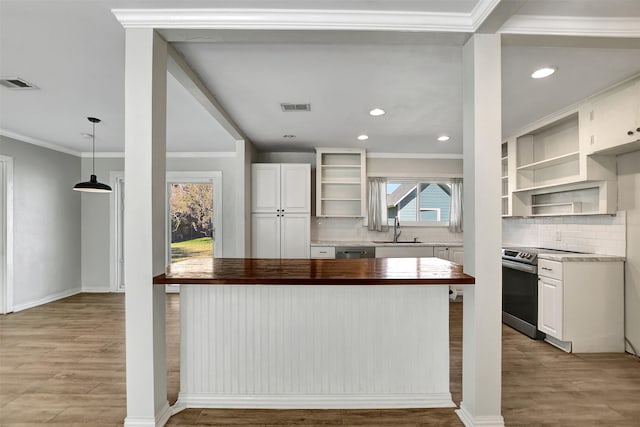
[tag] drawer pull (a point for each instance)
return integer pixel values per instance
(548, 269)
(630, 133)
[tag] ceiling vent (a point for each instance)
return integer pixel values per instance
(287, 107)
(16, 83)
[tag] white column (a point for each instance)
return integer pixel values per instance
(481, 366)
(144, 230)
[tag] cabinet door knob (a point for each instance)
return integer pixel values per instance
(630, 133)
(637, 129)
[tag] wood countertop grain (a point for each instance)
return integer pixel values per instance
(369, 271)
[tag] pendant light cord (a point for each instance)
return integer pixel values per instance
(93, 135)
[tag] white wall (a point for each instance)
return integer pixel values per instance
(629, 200)
(96, 211)
(46, 222)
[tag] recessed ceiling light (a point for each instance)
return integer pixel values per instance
(543, 72)
(363, 137)
(376, 112)
(289, 136)
(443, 138)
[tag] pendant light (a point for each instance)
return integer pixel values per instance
(93, 186)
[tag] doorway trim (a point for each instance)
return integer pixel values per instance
(116, 179)
(6, 192)
(214, 177)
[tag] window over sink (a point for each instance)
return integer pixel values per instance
(419, 202)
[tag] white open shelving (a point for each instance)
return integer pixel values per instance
(340, 190)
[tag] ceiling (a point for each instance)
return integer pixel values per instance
(74, 52)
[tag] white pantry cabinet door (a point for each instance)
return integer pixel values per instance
(550, 307)
(265, 187)
(265, 235)
(295, 236)
(295, 188)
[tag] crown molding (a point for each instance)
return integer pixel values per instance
(445, 156)
(38, 142)
(481, 12)
(302, 19)
(170, 155)
(572, 26)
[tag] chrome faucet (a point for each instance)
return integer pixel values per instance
(396, 232)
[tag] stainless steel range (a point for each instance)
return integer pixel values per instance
(520, 289)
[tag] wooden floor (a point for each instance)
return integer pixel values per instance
(63, 363)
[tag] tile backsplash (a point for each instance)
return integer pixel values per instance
(352, 230)
(601, 234)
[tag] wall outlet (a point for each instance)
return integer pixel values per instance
(558, 236)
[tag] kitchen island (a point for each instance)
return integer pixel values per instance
(314, 333)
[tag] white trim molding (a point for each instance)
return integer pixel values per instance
(453, 156)
(301, 19)
(572, 26)
(484, 421)
(161, 418)
(49, 298)
(38, 142)
(6, 282)
(170, 155)
(287, 401)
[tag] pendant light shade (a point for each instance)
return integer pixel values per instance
(93, 186)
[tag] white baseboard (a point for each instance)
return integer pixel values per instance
(97, 290)
(159, 420)
(47, 299)
(206, 400)
(484, 420)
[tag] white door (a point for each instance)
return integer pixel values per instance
(265, 187)
(550, 309)
(295, 185)
(265, 235)
(294, 233)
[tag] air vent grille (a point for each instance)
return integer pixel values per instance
(16, 83)
(288, 107)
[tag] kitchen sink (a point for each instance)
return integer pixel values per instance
(399, 241)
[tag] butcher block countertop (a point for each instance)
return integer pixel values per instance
(368, 271)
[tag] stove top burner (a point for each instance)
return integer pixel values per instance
(526, 255)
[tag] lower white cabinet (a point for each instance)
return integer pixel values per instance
(323, 252)
(403, 251)
(451, 253)
(581, 305)
(280, 235)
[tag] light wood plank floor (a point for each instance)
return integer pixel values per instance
(63, 363)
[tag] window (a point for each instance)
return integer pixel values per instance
(419, 202)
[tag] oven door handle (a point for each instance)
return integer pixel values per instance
(528, 268)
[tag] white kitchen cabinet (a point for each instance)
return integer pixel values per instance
(340, 183)
(404, 251)
(280, 235)
(281, 210)
(581, 305)
(323, 252)
(615, 119)
(281, 187)
(450, 253)
(550, 307)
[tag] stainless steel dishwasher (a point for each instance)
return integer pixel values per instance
(355, 251)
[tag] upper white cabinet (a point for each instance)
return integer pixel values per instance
(553, 173)
(281, 187)
(340, 183)
(615, 120)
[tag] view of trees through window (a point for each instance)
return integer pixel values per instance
(191, 216)
(419, 201)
